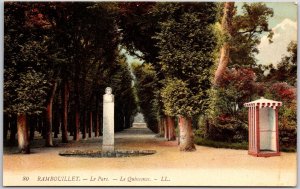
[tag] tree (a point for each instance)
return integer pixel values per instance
(125, 101)
(286, 70)
(228, 14)
(86, 34)
(247, 30)
(58, 45)
(138, 23)
(25, 80)
(287, 114)
(242, 35)
(226, 119)
(186, 43)
(146, 85)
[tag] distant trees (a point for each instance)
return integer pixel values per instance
(146, 84)
(139, 24)
(125, 102)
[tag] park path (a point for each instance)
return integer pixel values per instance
(168, 166)
(138, 130)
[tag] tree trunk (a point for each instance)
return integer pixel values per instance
(6, 126)
(97, 125)
(13, 129)
(71, 122)
(57, 121)
(166, 133)
(91, 125)
(77, 105)
(39, 124)
(64, 128)
(127, 122)
(77, 124)
(161, 127)
(97, 121)
(100, 124)
(124, 122)
(117, 120)
(186, 134)
(228, 13)
(56, 128)
(43, 124)
(32, 125)
(23, 139)
(49, 120)
(84, 125)
(171, 128)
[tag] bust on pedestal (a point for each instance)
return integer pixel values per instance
(108, 121)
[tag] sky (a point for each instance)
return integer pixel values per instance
(284, 25)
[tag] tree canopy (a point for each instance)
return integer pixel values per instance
(60, 56)
(186, 42)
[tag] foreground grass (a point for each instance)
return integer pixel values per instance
(218, 144)
(238, 146)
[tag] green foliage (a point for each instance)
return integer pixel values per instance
(286, 70)
(246, 32)
(287, 114)
(186, 43)
(121, 83)
(139, 25)
(146, 85)
(218, 144)
(25, 59)
(226, 115)
(227, 118)
(175, 95)
(74, 43)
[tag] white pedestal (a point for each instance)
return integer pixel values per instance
(108, 126)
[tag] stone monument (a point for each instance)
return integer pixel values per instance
(108, 121)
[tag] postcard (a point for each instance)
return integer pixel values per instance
(150, 93)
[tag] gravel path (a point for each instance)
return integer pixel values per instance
(168, 167)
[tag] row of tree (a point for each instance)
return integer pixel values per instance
(195, 51)
(59, 57)
(199, 66)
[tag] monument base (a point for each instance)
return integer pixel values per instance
(108, 148)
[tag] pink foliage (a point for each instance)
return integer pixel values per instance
(241, 79)
(283, 91)
(239, 76)
(35, 19)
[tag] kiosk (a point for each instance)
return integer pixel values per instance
(263, 127)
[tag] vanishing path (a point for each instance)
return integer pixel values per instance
(204, 167)
(137, 131)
